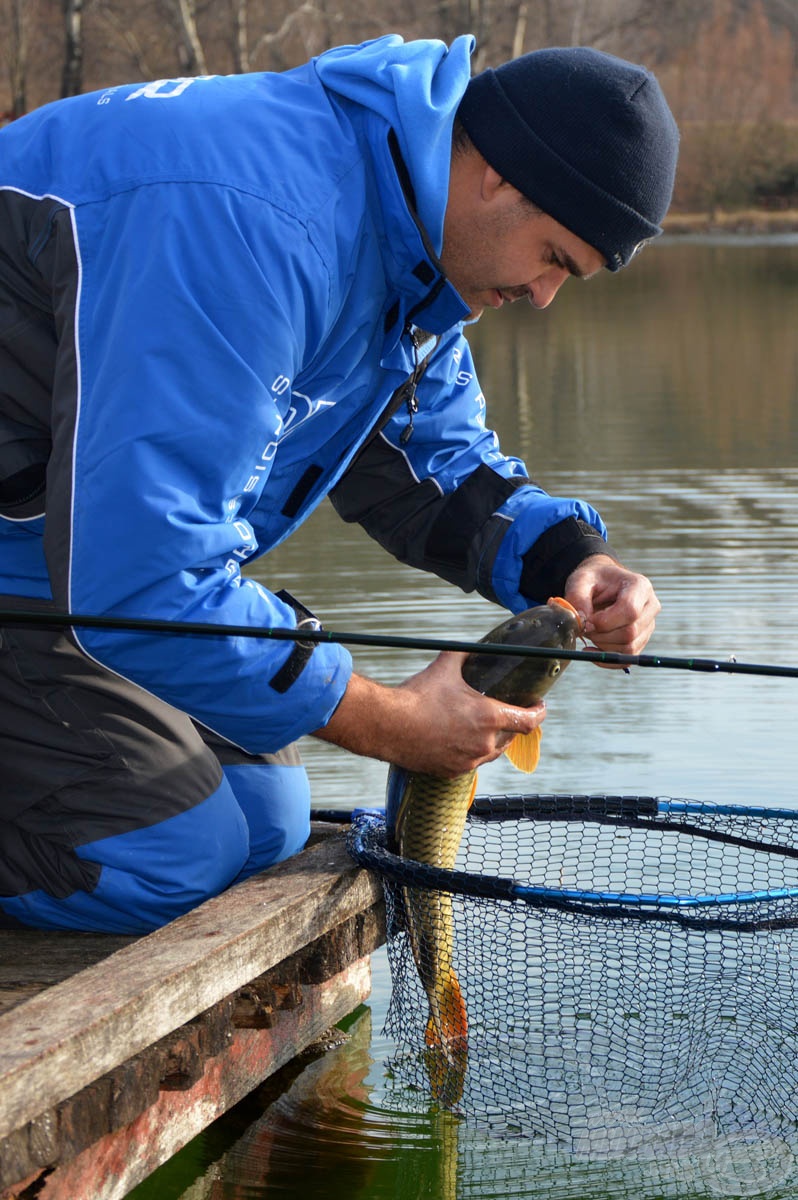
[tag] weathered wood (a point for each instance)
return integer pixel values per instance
(110, 1166)
(135, 1085)
(35, 956)
(16, 1160)
(178, 1061)
(59, 1042)
(11, 997)
(184, 1061)
(31, 960)
(43, 1145)
(344, 944)
(280, 989)
(76, 1120)
(274, 1005)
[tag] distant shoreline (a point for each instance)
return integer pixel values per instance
(747, 221)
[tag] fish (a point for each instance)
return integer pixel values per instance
(426, 816)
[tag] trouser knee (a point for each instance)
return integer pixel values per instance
(275, 800)
(145, 877)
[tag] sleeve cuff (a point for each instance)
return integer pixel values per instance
(556, 553)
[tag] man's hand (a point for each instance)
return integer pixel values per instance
(433, 722)
(619, 607)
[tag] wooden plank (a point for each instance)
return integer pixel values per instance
(58, 1042)
(11, 997)
(110, 1167)
(32, 956)
(31, 960)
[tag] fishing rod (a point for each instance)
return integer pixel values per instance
(315, 635)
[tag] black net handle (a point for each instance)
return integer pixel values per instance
(633, 812)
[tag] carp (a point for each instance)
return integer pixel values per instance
(426, 816)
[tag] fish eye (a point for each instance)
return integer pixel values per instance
(555, 669)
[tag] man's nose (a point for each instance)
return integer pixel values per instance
(543, 289)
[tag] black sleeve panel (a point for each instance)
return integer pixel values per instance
(556, 553)
(454, 536)
(28, 349)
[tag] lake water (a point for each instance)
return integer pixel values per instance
(668, 397)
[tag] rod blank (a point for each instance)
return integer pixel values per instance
(62, 620)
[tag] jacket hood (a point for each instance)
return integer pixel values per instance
(417, 87)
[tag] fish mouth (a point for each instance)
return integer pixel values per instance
(566, 604)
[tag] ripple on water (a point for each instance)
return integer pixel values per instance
(329, 1133)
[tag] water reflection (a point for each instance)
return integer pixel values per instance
(667, 396)
(341, 1131)
(319, 1129)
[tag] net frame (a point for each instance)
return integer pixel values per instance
(753, 908)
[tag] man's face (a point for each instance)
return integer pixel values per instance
(497, 248)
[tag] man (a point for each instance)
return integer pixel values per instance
(222, 299)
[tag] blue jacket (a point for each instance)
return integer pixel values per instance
(236, 308)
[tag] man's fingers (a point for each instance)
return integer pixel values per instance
(620, 606)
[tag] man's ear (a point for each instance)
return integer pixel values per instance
(491, 182)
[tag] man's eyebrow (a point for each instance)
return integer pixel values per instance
(572, 266)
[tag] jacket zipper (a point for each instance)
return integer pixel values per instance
(418, 338)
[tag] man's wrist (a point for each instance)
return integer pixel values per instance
(556, 554)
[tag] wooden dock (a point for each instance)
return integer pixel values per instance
(116, 1051)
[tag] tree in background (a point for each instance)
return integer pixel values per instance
(14, 37)
(72, 75)
(733, 94)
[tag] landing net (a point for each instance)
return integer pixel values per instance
(628, 965)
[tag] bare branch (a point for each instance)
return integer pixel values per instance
(195, 63)
(240, 15)
(269, 39)
(16, 56)
(128, 38)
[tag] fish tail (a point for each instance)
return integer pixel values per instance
(446, 1039)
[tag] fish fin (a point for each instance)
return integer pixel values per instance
(446, 1052)
(524, 751)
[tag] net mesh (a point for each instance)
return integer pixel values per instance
(625, 964)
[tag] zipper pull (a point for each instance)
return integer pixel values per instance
(411, 401)
(412, 408)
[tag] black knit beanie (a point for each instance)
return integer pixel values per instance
(587, 137)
